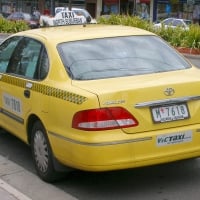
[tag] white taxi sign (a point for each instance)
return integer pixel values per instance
(67, 17)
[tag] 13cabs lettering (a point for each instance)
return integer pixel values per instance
(12, 104)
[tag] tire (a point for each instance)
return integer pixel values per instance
(42, 154)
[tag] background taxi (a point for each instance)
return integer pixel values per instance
(98, 98)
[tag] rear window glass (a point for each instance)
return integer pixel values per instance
(119, 57)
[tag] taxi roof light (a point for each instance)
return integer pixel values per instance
(103, 119)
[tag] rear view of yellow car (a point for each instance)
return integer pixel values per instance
(98, 98)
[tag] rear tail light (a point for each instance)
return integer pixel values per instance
(103, 119)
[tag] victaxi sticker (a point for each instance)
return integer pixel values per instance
(174, 138)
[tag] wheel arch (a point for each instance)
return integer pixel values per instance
(31, 120)
(57, 165)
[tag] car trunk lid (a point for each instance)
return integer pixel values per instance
(157, 101)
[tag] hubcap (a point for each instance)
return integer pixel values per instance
(41, 151)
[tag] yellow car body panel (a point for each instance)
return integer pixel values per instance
(83, 32)
(128, 153)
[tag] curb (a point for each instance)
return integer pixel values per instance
(193, 56)
(18, 183)
(4, 34)
(12, 191)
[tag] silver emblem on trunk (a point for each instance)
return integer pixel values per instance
(169, 91)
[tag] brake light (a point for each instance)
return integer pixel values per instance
(103, 119)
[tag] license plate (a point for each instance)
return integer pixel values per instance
(169, 113)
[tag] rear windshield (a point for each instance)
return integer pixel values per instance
(118, 57)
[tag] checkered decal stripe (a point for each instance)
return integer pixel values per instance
(46, 90)
(13, 81)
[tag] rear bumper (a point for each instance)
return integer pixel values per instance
(137, 151)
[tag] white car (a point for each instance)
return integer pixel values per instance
(174, 23)
(65, 16)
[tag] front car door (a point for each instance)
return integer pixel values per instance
(17, 75)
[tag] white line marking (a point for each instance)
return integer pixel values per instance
(13, 191)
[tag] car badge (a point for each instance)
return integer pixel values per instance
(169, 91)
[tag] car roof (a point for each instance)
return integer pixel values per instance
(61, 34)
(179, 19)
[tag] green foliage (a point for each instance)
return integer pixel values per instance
(124, 20)
(192, 37)
(175, 36)
(7, 26)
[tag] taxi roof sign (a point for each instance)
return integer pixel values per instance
(63, 18)
(68, 17)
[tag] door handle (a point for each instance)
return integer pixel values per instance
(27, 93)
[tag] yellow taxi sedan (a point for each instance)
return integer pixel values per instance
(98, 98)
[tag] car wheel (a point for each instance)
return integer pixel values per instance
(42, 154)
